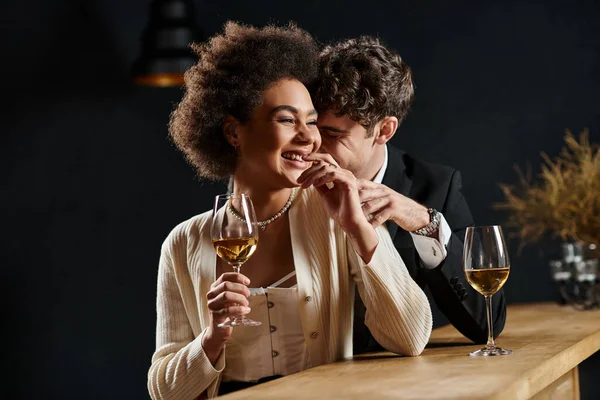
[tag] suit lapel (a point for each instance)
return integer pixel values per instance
(395, 178)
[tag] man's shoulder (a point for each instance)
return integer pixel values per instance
(429, 183)
(421, 170)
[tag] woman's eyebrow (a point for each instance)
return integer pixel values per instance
(291, 109)
(284, 108)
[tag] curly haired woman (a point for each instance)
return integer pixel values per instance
(247, 114)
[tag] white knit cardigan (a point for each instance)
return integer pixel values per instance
(398, 313)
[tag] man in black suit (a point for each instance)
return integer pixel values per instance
(363, 93)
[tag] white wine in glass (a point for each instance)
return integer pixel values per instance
(486, 266)
(235, 251)
(234, 232)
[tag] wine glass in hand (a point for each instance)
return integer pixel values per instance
(234, 232)
(486, 266)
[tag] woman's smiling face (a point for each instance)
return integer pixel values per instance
(280, 131)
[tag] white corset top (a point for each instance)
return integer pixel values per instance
(274, 348)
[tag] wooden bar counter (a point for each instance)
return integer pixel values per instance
(548, 342)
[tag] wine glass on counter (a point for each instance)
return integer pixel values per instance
(234, 232)
(486, 266)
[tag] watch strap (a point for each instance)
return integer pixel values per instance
(432, 226)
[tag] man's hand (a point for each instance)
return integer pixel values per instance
(381, 204)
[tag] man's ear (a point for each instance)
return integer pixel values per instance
(387, 129)
(230, 131)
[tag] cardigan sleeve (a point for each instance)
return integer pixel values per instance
(180, 368)
(398, 314)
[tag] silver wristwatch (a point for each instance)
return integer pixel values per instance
(432, 226)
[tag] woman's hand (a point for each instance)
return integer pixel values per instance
(339, 190)
(227, 298)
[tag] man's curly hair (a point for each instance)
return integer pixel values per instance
(365, 80)
(233, 71)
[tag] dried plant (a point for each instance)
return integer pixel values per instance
(565, 199)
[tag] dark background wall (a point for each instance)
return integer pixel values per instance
(90, 185)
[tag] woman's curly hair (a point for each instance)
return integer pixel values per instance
(233, 71)
(363, 79)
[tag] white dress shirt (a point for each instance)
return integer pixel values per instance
(431, 251)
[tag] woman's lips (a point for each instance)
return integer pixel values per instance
(295, 160)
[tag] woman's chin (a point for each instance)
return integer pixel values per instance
(290, 180)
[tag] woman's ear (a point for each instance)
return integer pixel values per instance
(230, 128)
(387, 128)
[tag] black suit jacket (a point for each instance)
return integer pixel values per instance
(438, 187)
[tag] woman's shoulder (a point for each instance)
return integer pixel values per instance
(189, 231)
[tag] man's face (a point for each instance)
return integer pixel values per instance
(347, 142)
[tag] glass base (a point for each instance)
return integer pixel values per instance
(243, 321)
(491, 351)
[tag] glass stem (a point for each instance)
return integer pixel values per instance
(236, 269)
(490, 324)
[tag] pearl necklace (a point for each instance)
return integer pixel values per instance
(263, 224)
